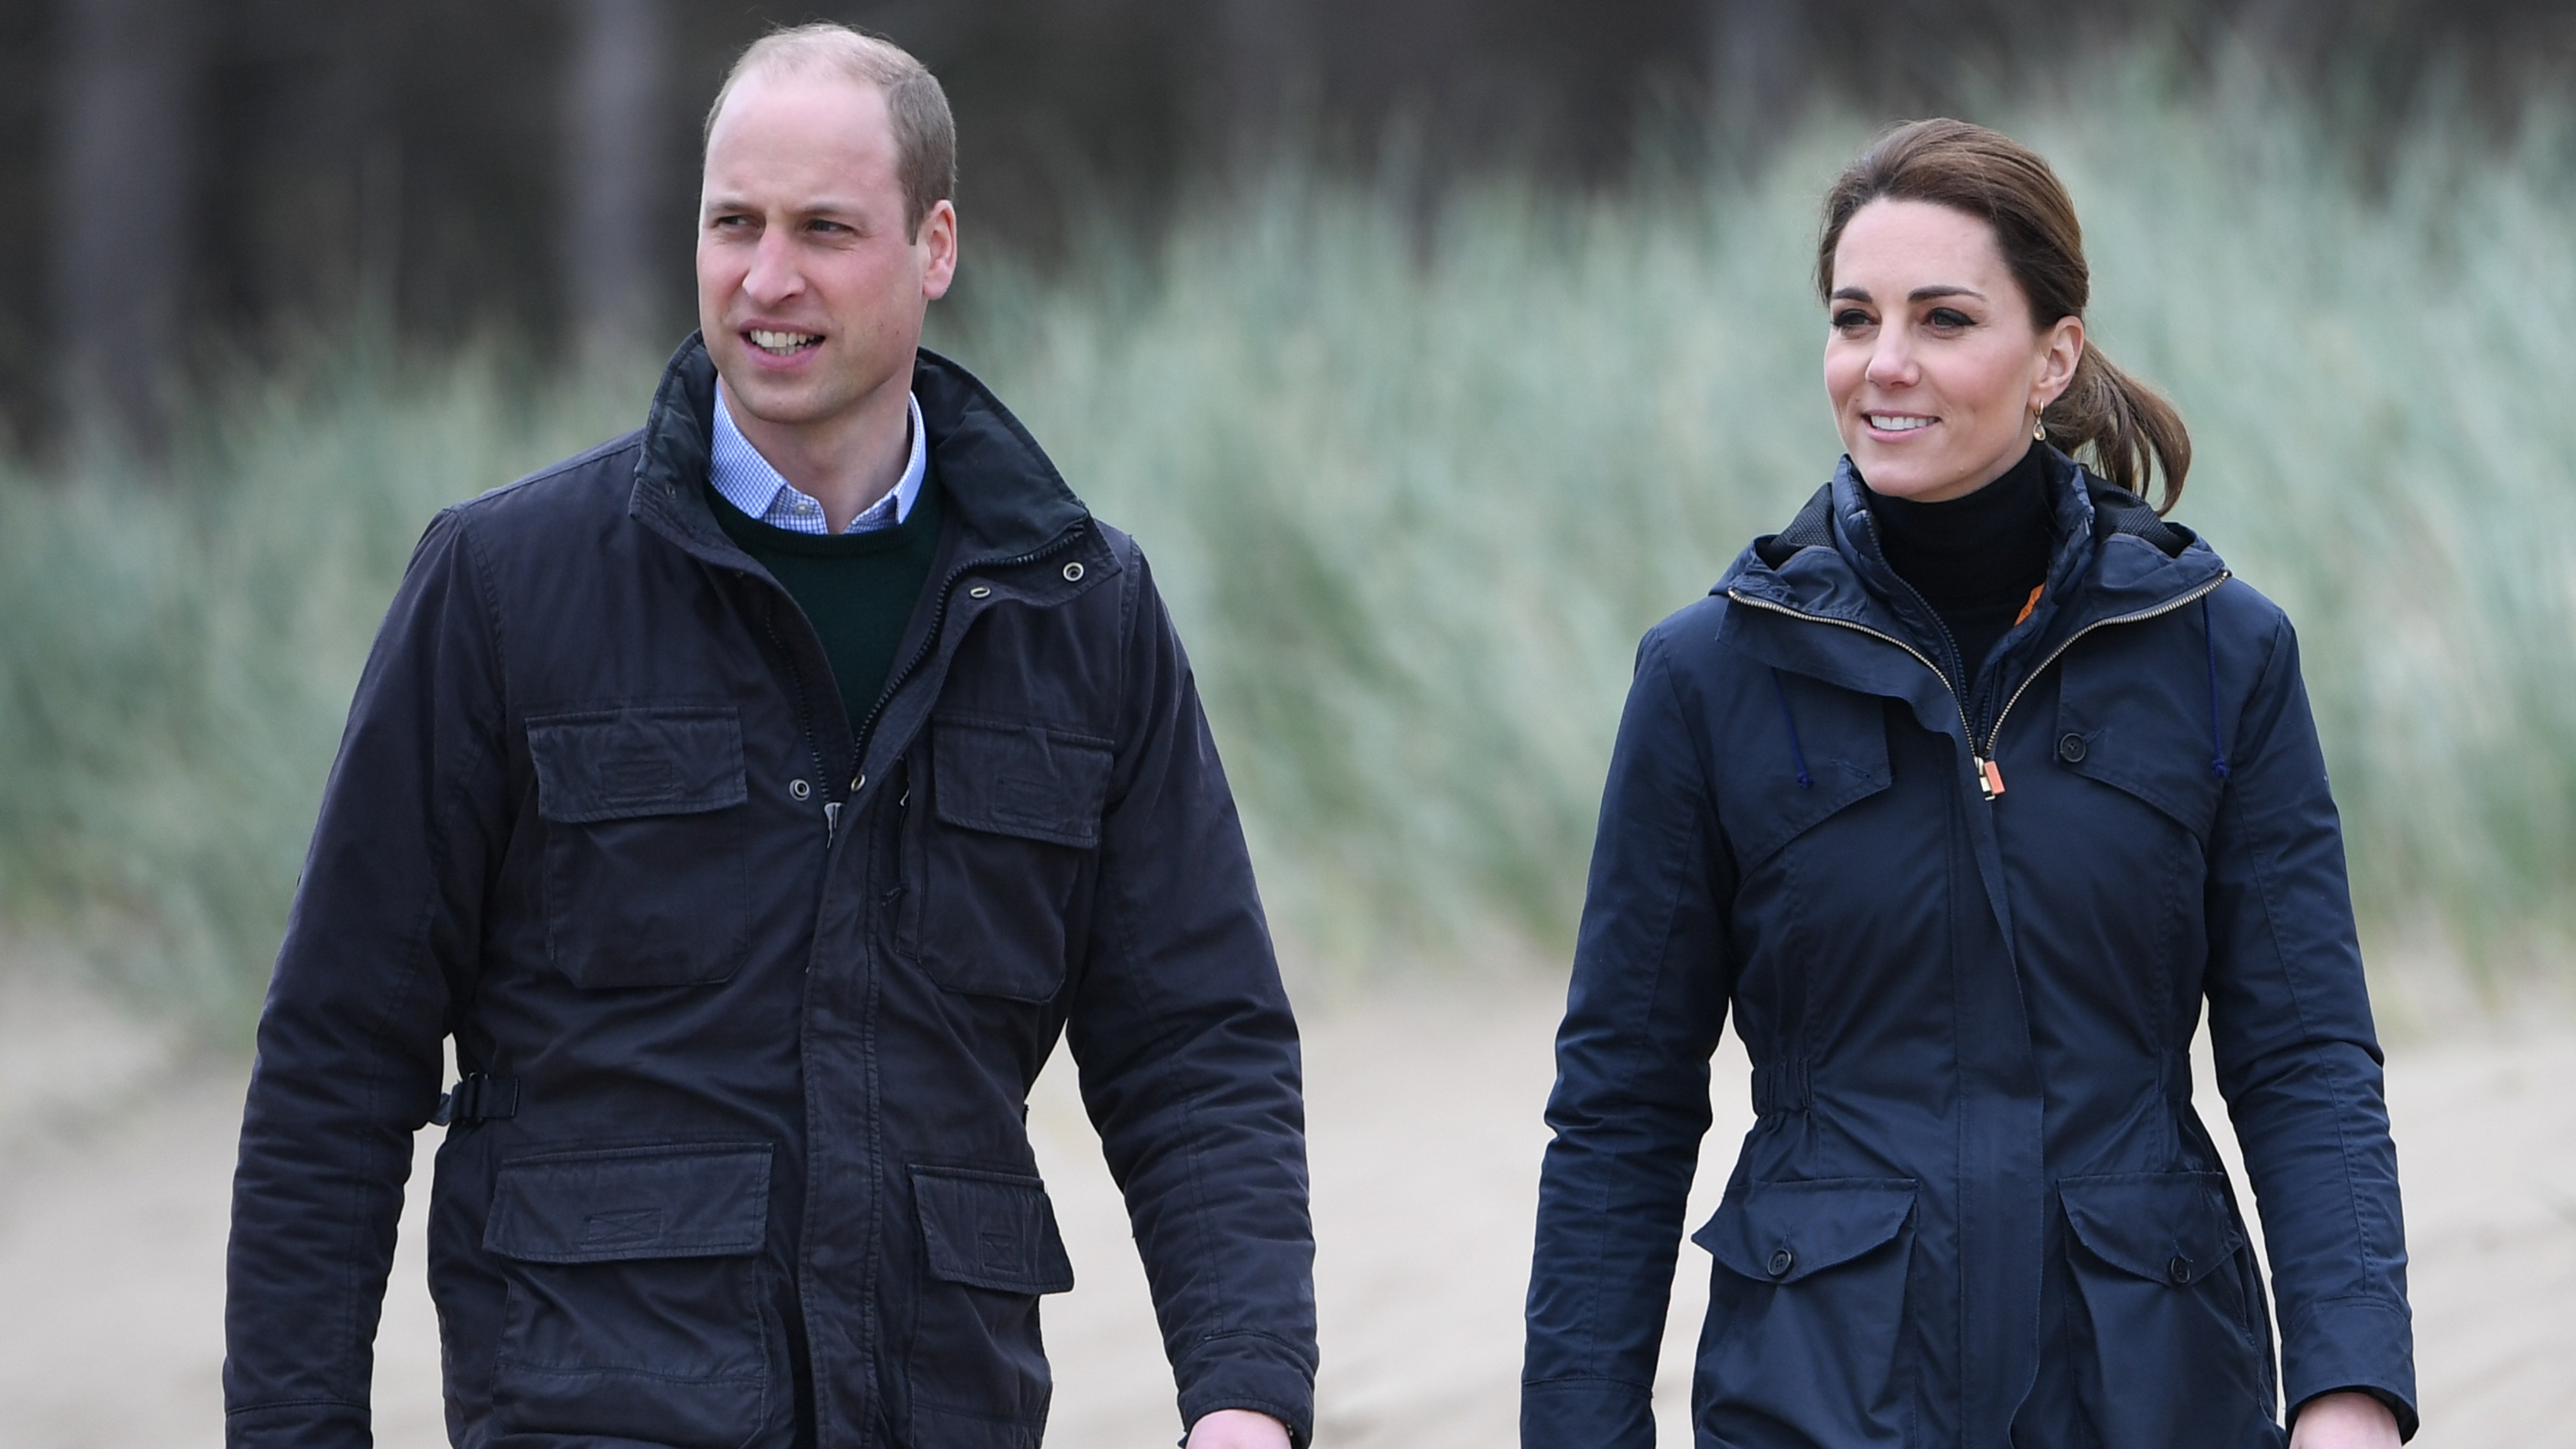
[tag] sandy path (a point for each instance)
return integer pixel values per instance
(1424, 1117)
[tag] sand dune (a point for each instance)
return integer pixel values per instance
(116, 1154)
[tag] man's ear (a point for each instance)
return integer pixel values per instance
(938, 236)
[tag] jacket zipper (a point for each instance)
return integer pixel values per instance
(2168, 606)
(1986, 782)
(938, 620)
(804, 722)
(1990, 778)
(929, 641)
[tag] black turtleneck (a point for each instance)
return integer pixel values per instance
(1975, 558)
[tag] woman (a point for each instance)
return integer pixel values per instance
(1964, 793)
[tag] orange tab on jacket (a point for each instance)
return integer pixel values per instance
(2027, 605)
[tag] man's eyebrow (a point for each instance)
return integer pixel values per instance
(818, 206)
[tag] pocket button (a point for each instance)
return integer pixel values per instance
(2070, 748)
(2179, 1270)
(1073, 573)
(1782, 1260)
(799, 789)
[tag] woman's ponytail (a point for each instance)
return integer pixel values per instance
(2132, 431)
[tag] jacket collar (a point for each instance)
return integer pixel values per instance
(2113, 557)
(1002, 492)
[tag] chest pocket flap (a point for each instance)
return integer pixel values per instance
(647, 760)
(1786, 723)
(646, 863)
(2137, 720)
(1016, 778)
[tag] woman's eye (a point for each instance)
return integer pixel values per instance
(1949, 319)
(1850, 319)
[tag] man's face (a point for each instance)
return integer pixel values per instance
(810, 290)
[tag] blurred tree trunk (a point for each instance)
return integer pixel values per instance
(1759, 67)
(1261, 61)
(120, 187)
(614, 112)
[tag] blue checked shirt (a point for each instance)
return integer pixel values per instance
(748, 482)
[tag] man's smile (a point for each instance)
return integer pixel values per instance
(782, 344)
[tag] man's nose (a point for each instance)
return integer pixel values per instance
(774, 276)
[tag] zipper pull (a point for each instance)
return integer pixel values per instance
(1990, 776)
(831, 818)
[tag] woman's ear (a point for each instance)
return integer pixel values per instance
(2061, 348)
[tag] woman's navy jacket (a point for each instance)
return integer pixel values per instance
(1978, 1207)
(742, 1162)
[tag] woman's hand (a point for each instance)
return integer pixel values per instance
(1244, 1429)
(2345, 1419)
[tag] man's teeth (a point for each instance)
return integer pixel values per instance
(1889, 423)
(782, 341)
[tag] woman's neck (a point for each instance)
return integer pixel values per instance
(1977, 547)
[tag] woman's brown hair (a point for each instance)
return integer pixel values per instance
(2131, 430)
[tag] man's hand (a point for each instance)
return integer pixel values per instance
(2347, 1419)
(1244, 1429)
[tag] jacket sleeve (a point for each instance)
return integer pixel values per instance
(1649, 994)
(384, 923)
(1189, 1056)
(2297, 1059)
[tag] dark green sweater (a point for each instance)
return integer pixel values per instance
(858, 589)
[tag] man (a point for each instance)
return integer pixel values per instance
(753, 799)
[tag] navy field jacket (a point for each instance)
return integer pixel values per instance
(750, 996)
(1967, 933)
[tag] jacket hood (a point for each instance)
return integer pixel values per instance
(1000, 485)
(2113, 556)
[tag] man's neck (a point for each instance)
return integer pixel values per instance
(846, 463)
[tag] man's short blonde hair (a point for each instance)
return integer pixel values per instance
(925, 134)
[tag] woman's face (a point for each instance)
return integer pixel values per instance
(1935, 367)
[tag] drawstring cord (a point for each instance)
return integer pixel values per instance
(2217, 745)
(1797, 751)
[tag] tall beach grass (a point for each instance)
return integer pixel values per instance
(1414, 487)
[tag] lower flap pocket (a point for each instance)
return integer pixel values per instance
(637, 1306)
(638, 1202)
(1780, 1232)
(990, 1230)
(2172, 1227)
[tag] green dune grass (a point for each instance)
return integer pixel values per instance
(1414, 487)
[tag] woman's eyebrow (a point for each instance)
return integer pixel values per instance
(1937, 292)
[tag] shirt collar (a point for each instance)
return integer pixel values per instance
(750, 483)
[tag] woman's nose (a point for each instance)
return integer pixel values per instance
(1890, 365)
